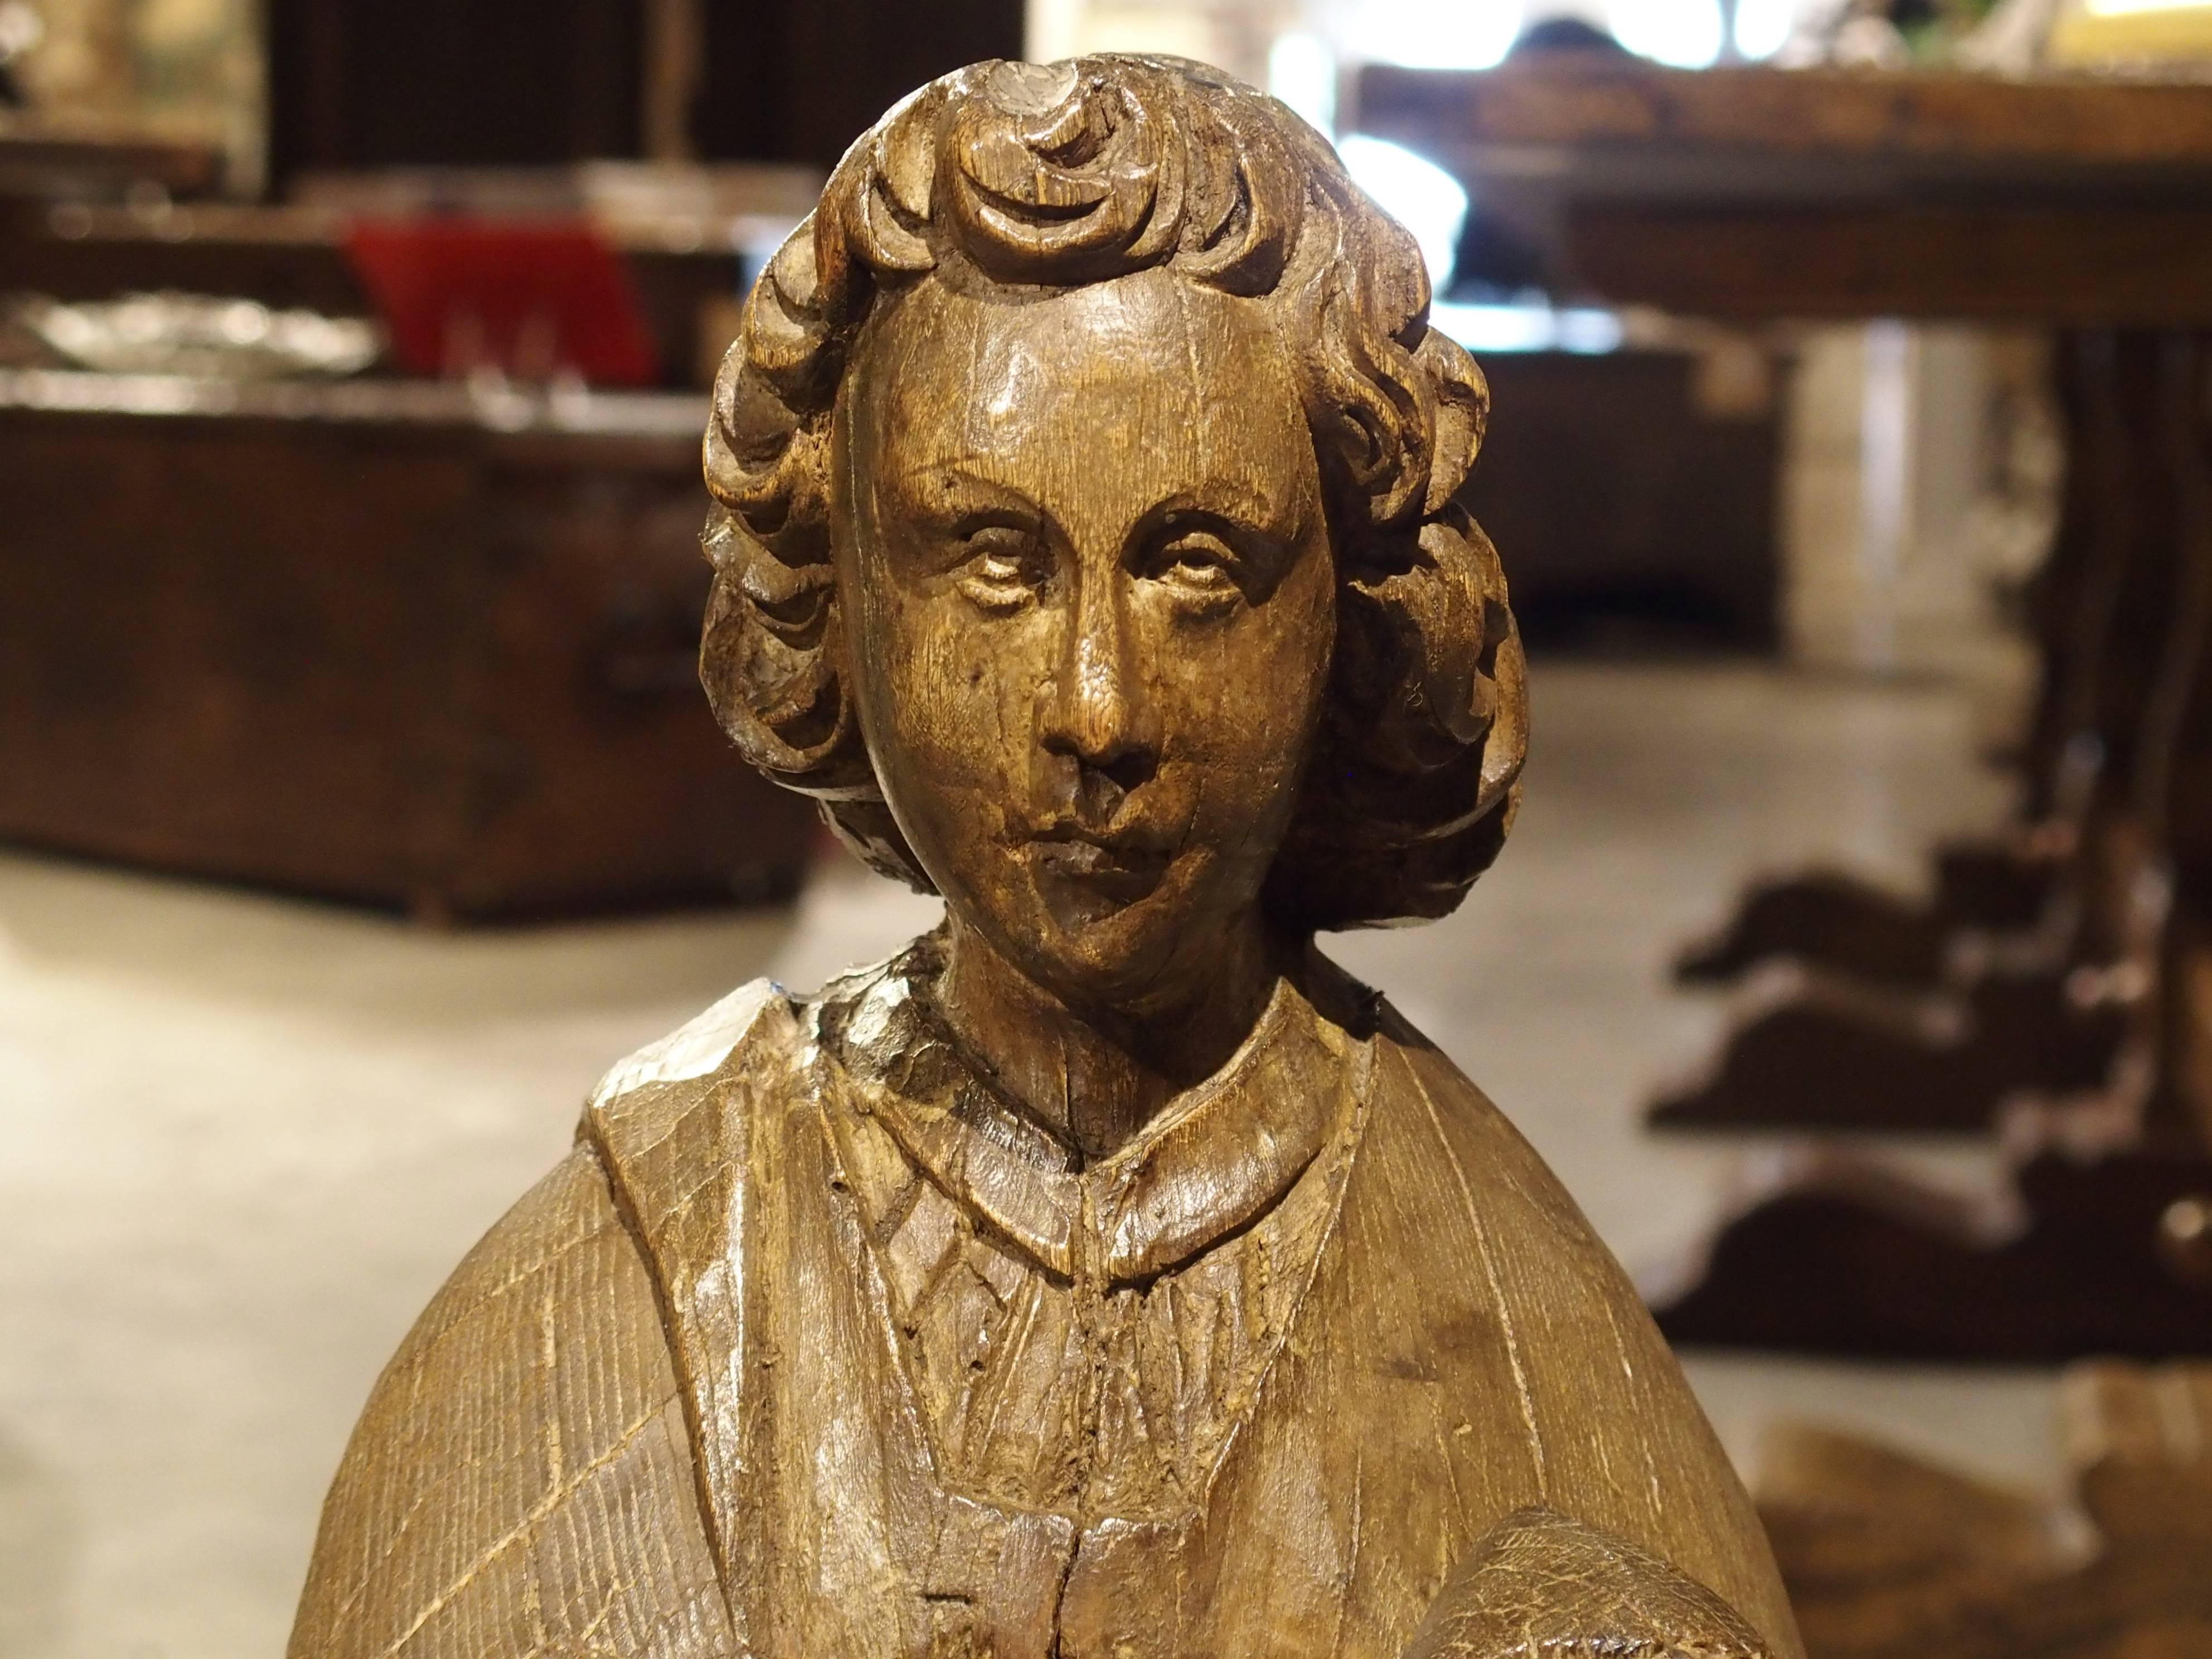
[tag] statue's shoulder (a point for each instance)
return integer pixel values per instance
(755, 1029)
(675, 1123)
(1611, 1435)
(1420, 1098)
(1471, 1131)
(537, 1399)
(534, 1401)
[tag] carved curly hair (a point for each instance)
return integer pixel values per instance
(1022, 177)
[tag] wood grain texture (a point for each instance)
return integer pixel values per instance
(521, 1480)
(1028, 1469)
(1105, 1275)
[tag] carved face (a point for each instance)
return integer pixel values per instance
(1085, 560)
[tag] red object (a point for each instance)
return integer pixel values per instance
(533, 299)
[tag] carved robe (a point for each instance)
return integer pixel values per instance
(819, 1348)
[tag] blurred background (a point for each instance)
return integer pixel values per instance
(1851, 464)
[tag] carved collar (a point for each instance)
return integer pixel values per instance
(1205, 1168)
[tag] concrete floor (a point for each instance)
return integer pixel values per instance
(243, 1138)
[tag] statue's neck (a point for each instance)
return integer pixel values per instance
(1097, 1077)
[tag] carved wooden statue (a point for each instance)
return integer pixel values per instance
(1107, 1274)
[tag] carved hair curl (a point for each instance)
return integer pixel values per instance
(1052, 177)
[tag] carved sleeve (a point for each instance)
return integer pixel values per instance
(521, 1480)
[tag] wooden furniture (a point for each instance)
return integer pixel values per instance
(1890, 1557)
(370, 640)
(1104, 1276)
(1607, 456)
(1756, 193)
(1752, 194)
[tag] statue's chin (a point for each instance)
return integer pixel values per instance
(1133, 963)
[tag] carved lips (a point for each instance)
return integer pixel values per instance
(1121, 868)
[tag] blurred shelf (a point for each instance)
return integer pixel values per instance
(686, 268)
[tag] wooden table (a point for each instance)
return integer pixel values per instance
(1755, 194)
(1751, 194)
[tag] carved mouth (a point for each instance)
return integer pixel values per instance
(1119, 871)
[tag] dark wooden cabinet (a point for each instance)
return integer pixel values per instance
(359, 642)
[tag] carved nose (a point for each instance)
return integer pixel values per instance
(1094, 786)
(1097, 718)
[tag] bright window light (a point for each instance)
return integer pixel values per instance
(1528, 328)
(1763, 26)
(1454, 34)
(1301, 72)
(2122, 7)
(1685, 33)
(1416, 193)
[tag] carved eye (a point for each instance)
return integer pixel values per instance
(1005, 568)
(1199, 565)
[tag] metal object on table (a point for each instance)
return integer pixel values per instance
(199, 335)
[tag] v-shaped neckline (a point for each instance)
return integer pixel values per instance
(1213, 1161)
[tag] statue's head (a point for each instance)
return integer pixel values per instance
(1088, 539)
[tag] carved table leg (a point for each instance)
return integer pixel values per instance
(1890, 1558)
(1912, 1021)
(2112, 1252)
(1835, 921)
